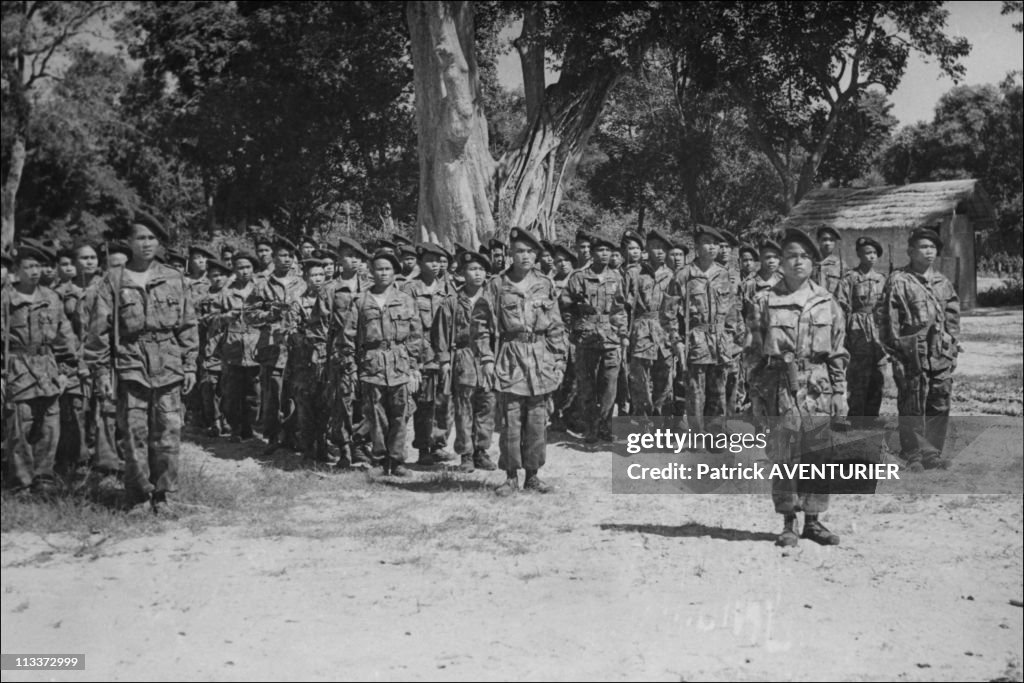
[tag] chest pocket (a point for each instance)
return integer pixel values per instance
(512, 317)
(165, 309)
(863, 294)
(132, 310)
(781, 331)
(401, 318)
(820, 330)
(542, 314)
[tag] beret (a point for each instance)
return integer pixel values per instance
(202, 251)
(559, 251)
(598, 241)
(467, 257)
(118, 248)
(583, 236)
(352, 245)
(703, 230)
(748, 249)
(496, 244)
(401, 239)
(243, 256)
(425, 248)
(658, 235)
(825, 230)
(216, 264)
(156, 227)
(632, 235)
(925, 234)
(523, 235)
(770, 245)
(794, 236)
(282, 242)
(32, 251)
(389, 257)
(869, 242)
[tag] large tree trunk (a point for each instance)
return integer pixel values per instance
(456, 168)
(10, 192)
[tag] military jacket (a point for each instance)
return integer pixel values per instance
(702, 311)
(42, 344)
(595, 305)
(753, 287)
(829, 272)
(452, 339)
(649, 335)
(428, 300)
(232, 337)
(327, 320)
(521, 331)
(270, 309)
(158, 339)
(71, 297)
(920, 312)
(383, 340)
(858, 295)
(207, 315)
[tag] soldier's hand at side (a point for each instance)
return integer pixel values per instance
(103, 387)
(189, 384)
(839, 406)
(488, 370)
(414, 383)
(680, 351)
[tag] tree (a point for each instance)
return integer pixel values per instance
(1011, 7)
(36, 35)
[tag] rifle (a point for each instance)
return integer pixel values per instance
(116, 299)
(7, 347)
(686, 326)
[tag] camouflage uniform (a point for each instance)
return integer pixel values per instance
(383, 343)
(101, 420)
(210, 364)
(430, 421)
(73, 449)
(269, 309)
(472, 392)
(650, 357)
(44, 351)
(157, 347)
(521, 331)
(307, 355)
(712, 333)
(630, 274)
(829, 272)
(198, 288)
(858, 296)
(563, 399)
(734, 385)
(235, 345)
(751, 288)
(919, 324)
(797, 359)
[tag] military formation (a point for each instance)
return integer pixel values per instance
(334, 352)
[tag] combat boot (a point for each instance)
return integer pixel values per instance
(816, 531)
(426, 458)
(483, 462)
(788, 537)
(535, 484)
(511, 485)
(934, 461)
(467, 464)
(441, 454)
(398, 469)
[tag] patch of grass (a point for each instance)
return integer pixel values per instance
(1000, 394)
(1010, 293)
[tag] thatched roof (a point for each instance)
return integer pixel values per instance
(892, 206)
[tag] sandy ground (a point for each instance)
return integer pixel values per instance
(589, 585)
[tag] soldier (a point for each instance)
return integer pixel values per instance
(751, 288)
(264, 245)
(631, 249)
(651, 362)
(596, 306)
(546, 260)
(919, 324)
(858, 295)
(410, 262)
(748, 261)
(87, 265)
(430, 422)
(496, 249)
(830, 270)
(307, 356)
(307, 245)
(704, 327)
(198, 258)
(154, 360)
(73, 448)
(210, 363)
(382, 339)
(733, 385)
(583, 242)
(42, 348)
(227, 254)
(798, 378)
(677, 256)
(176, 260)
(269, 309)
(66, 269)
(330, 260)
(456, 354)
(564, 398)
(235, 345)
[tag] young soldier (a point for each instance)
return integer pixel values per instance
(564, 398)
(651, 363)
(751, 288)
(269, 308)
(410, 262)
(154, 358)
(307, 358)
(733, 385)
(858, 295)
(198, 259)
(210, 363)
(798, 361)
(583, 243)
(830, 270)
(452, 341)
(519, 335)
(430, 422)
(704, 329)
(265, 255)
(631, 250)
(330, 260)
(919, 323)
(546, 260)
(307, 245)
(235, 343)
(381, 338)
(66, 269)
(748, 262)
(73, 448)
(497, 254)
(677, 256)
(43, 347)
(87, 265)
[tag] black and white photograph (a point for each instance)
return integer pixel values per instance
(491, 340)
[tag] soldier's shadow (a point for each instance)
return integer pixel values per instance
(442, 481)
(692, 530)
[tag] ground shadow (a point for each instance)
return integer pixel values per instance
(434, 484)
(691, 530)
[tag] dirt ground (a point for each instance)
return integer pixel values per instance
(437, 578)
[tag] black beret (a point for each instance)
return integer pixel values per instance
(174, 256)
(389, 257)
(425, 248)
(202, 251)
(599, 241)
(681, 247)
(467, 257)
(730, 238)
(401, 239)
(460, 247)
(925, 234)
(703, 230)
(66, 252)
(794, 236)
(523, 235)
(243, 256)
(148, 220)
(557, 250)
(353, 245)
(32, 251)
(408, 250)
(216, 264)
(282, 242)
(658, 235)
(312, 263)
(634, 236)
(118, 248)
(385, 244)
(748, 249)
(825, 230)
(263, 239)
(308, 239)
(45, 253)
(496, 244)
(869, 242)
(583, 236)
(227, 249)
(770, 245)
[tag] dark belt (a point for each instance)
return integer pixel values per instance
(781, 362)
(649, 315)
(154, 336)
(522, 336)
(385, 345)
(31, 349)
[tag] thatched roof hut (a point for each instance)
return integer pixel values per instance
(889, 213)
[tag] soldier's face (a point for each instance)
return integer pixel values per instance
(564, 265)
(922, 253)
(706, 248)
(748, 263)
(656, 251)
(724, 251)
(770, 261)
(315, 276)
(117, 259)
(827, 244)
(283, 259)
(677, 257)
(475, 274)
(143, 242)
(524, 255)
(383, 272)
(498, 259)
(633, 252)
(88, 263)
(66, 268)
(29, 271)
(307, 249)
(408, 263)
(583, 251)
(616, 260)
(329, 270)
(444, 264)
(868, 257)
(265, 254)
(218, 278)
(349, 261)
(197, 263)
(547, 261)
(243, 270)
(430, 263)
(602, 255)
(49, 272)
(797, 264)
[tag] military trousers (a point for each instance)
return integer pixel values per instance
(33, 431)
(923, 404)
(705, 396)
(430, 421)
(72, 450)
(271, 401)
(210, 398)
(311, 411)
(151, 422)
(597, 373)
(812, 445)
(388, 409)
(474, 419)
(241, 391)
(523, 438)
(865, 380)
(651, 385)
(108, 451)
(564, 398)
(735, 388)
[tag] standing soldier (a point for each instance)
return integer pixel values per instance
(798, 379)
(632, 249)
(677, 256)
(496, 249)
(751, 288)
(210, 363)
(269, 309)
(307, 356)
(153, 354)
(858, 295)
(430, 422)
(73, 449)
(198, 261)
(235, 344)
(594, 302)
(410, 262)
(706, 329)
(87, 266)
(564, 398)
(520, 338)
(651, 362)
(41, 351)
(748, 262)
(733, 385)
(919, 322)
(583, 244)
(830, 270)
(265, 255)
(456, 354)
(381, 339)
